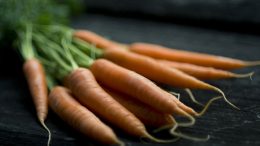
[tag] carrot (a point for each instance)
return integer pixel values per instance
(146, 114)
(181, 135)
(151, 117)
(202, 59)
(133, 84)
(85, 88)
(35, 77)
(106, 67)
(202, 72)
(131, 89)
(79, 117)
(97, 40)
(153, 70)
(160, 52)
(154, 118)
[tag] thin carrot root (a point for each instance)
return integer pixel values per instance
(168, 126)
(187, 124)
(178, 95)
(121, 143)
(207, 105)
(192, 97)
(181, 135)
(224, 96)
(163, 128)
(48, 130)
(245, 75)
(153, 139)
(252, 63)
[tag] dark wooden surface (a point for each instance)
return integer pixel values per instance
(226, 126)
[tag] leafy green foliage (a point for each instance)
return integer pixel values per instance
(15, 14)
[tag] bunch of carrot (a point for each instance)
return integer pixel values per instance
(95, 82)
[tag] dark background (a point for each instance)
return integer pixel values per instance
(221, 27)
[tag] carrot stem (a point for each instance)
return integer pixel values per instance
(81, 58)
(25, 38)
(87, 48)
(65, 43)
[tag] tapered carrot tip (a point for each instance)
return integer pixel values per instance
(165, 127)
(192, 97)
(191, 119)
(181, 135)
(153, 139)
(120, 143)
(250, 75)
(253, 63)
(224, 96)
(207, 105)
(193, 138)
(47, 129)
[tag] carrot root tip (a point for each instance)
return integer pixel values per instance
(207, 105)
(48, 130)
(181, 135)
(163, 128)
(250, 75)
(187, 124)
(152, 138)
(225, 98)
(178, 95)
(192, 97)
(253, 63)
(120, 143)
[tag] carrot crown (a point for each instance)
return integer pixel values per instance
(58, 52)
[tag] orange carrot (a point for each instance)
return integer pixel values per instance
(86, 89)
(36, 80)
(133, 84)
(97, 40)
(35, 76)
(79, 117)
(160, 52)
(146, 114)
(202, 72)
(202, 59)
(154, 70)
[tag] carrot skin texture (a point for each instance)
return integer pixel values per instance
(79, 117)
(133, 84)
(199, 72)
(202, 59)
(160, 52)
(146, 114)
(88, 92)
(154, 70)
(97, 40)
(36, 80)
